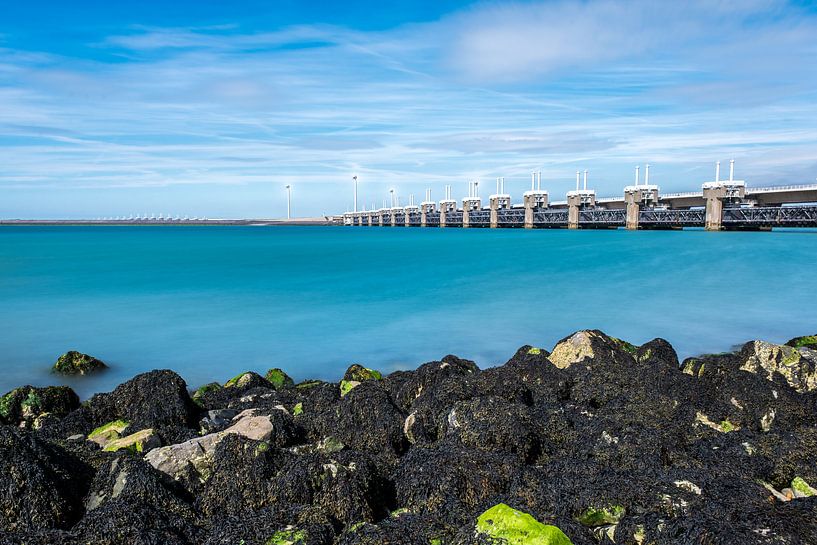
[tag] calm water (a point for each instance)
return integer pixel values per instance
(210, 302)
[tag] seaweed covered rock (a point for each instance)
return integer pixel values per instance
(401, 528)
(450, 483)
(583, 345)
(506, 524)
(249, 475)
(77, 363)
(289, 525)
(25, 404)
(279, 379)
(247, 380)
(364, 419)
(157, 399)
(41, 485)
(807, 341)
(797, 365)
(356, 374)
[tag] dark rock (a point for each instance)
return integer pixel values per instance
(41, 485)
(77, 363)
(247, 380)
(25, 404)
(157, 399)
(279, 379)
(296, 525)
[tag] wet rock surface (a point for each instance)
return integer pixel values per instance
(594, 441)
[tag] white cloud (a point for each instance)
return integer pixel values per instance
(498, 90)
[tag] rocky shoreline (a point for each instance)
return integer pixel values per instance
(596, 441)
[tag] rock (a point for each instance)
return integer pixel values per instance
(809, 341)
(346, 386)
(106, 433)
(201, 392)
(77, 363)
(156, 399)
(279, 379)
(136, 443)
(513, 527)
(41, 485)
(25, 404)
(601, 516)
(196, 454)
(802, 489)
(584, 345)
(217, 420)
(359, 373)
(276, 525)
(797, 365)
(247, 380)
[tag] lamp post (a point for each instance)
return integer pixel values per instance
(289, 201)
(391, 191)
(355, 179)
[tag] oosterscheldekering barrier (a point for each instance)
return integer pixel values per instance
(720, 204)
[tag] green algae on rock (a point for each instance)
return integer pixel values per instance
(201, 391)
(136, 443)
(359, 373)
(347, 386)
(106, 433)
(807, 341)
(801, 488)
(23, 405)
(288, 536)
(601, 516)
(77, 363)
(279, 379)
(502, 522)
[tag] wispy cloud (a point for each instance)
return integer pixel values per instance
(498, 89)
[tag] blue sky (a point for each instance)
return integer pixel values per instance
(211, 108)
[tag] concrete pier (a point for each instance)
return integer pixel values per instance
(426, 208)
(469, 204)
(638, 197)
(533, 200)
(446, 206)
(576, 201)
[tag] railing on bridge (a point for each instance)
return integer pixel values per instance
(671, 218)
(453, 219)
(771, 216)
(602, 218)
(550, 218)
(511, 217)
(479, 218)
(433, 219)
(415, 219)
(776, 189)
(399, 220)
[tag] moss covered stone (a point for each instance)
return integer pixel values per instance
(202, 391)
(137, 443)
(808, 341)
(624, 345)
(298, 409)
(77, 363)
(6, 403)
(502, 522)
(534, 351)
(601, 516)
(238, 381)
(279, 379)
(308, 384)
(347, 386)
(801, 488)
(106, 433)
(288, 536)
(359, 373)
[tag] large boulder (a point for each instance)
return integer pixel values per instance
(279, 525)
(23, 405)
(191, 461)
(797, 365)
(157, 399)
(77, 363)
(451, 483)
(41, 485)
(585, 345)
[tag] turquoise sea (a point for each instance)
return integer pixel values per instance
(210, 302)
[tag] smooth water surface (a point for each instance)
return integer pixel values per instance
(210, 302)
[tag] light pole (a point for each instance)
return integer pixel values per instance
(289, 201)
(391, 191)
(355, 179)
